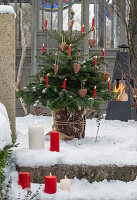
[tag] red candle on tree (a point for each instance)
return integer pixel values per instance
(54, 141)
(47, 80)
(108, 84)
(70, 49)
(64, 84)
(82, 29)
(46, 22)
(92, 21)
(43, 49)
(103, 53)
(50, 184)
(95, 92)
(96, 61)
(24, 179)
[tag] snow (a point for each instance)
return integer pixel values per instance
(117, 144)
(80, 190)
(5, 132)
(6, 9)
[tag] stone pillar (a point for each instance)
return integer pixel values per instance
(122, 25)
(60, 15)
(34, 36)
(85, 21)
(7, 62)
(101, 24)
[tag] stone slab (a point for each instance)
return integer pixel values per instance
(89, 172)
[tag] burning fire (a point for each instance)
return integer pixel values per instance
(119, 88)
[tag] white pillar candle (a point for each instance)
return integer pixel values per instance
(36, 136)
(65, 184)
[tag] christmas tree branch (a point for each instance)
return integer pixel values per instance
(81, 36)
(52, 35)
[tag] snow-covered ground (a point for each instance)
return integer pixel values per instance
(117, 144)
(80, 190)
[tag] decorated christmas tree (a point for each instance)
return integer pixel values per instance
(67, 83)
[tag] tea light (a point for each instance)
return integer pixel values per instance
(24, 179)
(65, 184)
(36, 136)
(50, 184)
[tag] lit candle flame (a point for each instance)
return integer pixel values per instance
(65, 79)
(47, 74)
(95, 87)
(50, 174)
(96, 57)
(108, 79)
(65, 177)
(54, 129)
(43, 44)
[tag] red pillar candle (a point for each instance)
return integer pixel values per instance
(43, 49)
(92, 21)
(70, 49)
(24, 179)
(103, 53)
(95, 92)
(82, 29)
(95, 61)
(46, 22)
(64, 84)
(54, 141)
(50, 184)
(47, 80)
(108, 84)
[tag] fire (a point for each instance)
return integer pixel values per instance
(119, 88)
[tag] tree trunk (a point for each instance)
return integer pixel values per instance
(71, 124)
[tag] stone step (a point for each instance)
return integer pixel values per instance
(89, 172)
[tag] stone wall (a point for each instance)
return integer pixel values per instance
(89, 172)
(7, 64)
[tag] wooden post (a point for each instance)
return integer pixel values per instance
(7, 63)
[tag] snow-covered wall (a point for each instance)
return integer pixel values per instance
(6, 9)
(5, 131)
